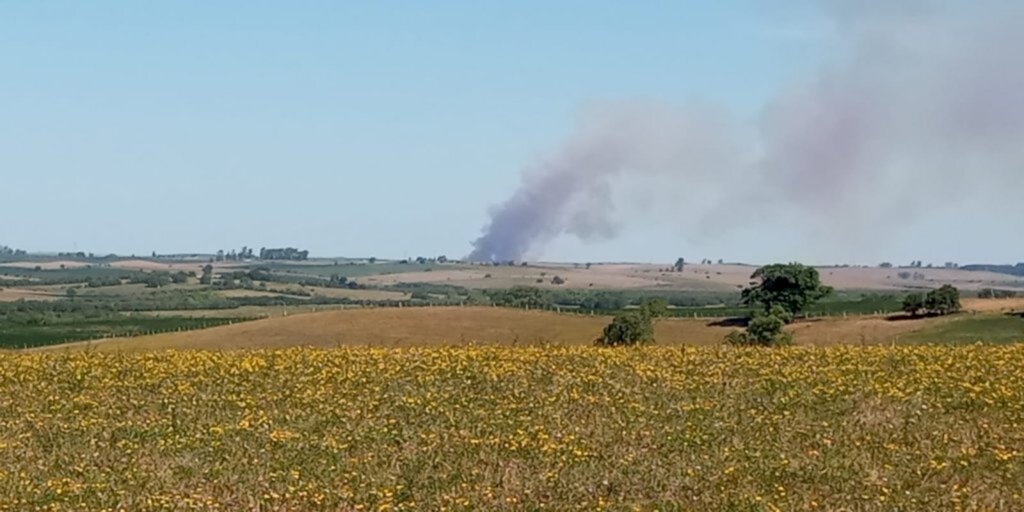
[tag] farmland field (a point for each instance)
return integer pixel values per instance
(440, 326)
(837, 428)
(105, 327)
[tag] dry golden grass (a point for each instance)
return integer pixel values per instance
(994, 305)
(46, 265)
(357, 294)
(433, 326)
(174, 266)
(13, 294)
(694, 277)
(240, 292)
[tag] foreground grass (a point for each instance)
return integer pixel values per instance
(910, 428)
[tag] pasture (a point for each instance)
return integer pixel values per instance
(445, 326)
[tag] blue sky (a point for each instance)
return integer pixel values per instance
(348, 128)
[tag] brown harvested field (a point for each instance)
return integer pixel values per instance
(241, 292)
(398, 327)
(994, 305)
(598, 276)
(277, 289)
(175, 266)
(13, 294)
(713, 277)
(47, 265)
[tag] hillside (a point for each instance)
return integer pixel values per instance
(432, 326)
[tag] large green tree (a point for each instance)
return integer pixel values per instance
(791, 286)
(943, 300)
(913, 303)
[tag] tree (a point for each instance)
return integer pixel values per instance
(680, 263)
(519, 297)
(654, 307)
(634, 327)
(913, 303)
(765, 329)
(71, 293)
(626, 329)
(885, 264)
(207, 277)
(791, 286)
(557, 280)
(943, 300)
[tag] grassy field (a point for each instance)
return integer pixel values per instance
(60, 331)
(838, 428)
(993, 328)
(440, 326)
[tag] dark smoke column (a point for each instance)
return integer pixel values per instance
(540, 208)
(570, 192)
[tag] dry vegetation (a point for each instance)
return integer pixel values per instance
(12, 294)
(724, 277)
(838, 428)
(433, 326)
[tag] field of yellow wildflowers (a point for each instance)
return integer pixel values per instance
(838, 428)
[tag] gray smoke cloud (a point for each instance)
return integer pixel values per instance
(921, 100)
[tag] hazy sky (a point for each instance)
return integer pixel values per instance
(388, 128)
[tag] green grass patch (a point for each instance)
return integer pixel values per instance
(58, 331)
(964, 329)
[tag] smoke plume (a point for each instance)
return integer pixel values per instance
(916, 102)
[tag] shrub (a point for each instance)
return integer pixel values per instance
(627, 329)
(913, 303)
(943, 300)
(764, 329)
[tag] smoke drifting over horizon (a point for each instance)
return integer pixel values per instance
(918, 103)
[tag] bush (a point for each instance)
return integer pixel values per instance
(764, 330)
(989, 293)
(943, 300)
(913, 303)
(627, 329)
(557, 280)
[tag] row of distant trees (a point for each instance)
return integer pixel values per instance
(919, 264)
(247, 253)
(10, 251)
